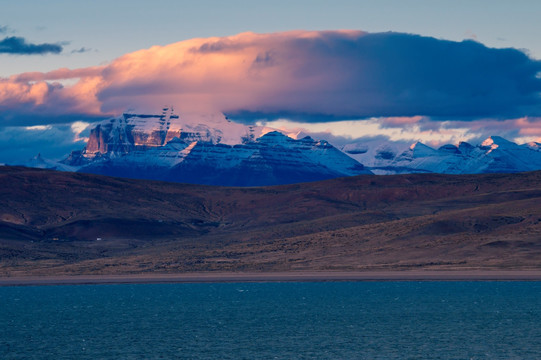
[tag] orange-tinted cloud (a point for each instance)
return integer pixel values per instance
(42, 102)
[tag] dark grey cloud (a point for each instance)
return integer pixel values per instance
(396, 74)
(19, 46)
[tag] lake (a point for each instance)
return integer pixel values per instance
(303, 320)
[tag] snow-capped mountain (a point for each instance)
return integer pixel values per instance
(494, 155)
(131, 132)
(214, 150)
(163, 147)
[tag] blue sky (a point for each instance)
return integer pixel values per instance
(92, 35)
(109, 29)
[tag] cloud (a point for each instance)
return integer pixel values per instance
(27, 103)
(398, 121)
(328, 76)
(19, 144)
(4, 29)
(80, 130)
(341, 132)
(19, 46)
(59, 74)
(81, 50)
(308, 76)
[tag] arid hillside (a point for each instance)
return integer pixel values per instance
(72, 223)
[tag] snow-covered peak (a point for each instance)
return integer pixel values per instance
(166, 120)
(533, 145)
(274, 137)
(494, 142)
(39, 162)
(229, 132)
(421, 150)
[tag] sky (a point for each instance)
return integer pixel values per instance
(434, 71)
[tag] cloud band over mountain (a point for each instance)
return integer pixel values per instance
(299, 75)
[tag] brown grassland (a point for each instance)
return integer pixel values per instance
(58, 223)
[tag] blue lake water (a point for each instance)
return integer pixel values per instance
(327, 320)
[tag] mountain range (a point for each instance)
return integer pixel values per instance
(216, 151)
(494, 155)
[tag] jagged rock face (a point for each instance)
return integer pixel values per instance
(130, 132)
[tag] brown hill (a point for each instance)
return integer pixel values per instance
(72, 223)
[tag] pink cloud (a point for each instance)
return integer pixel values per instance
(59, 74)
(15, 93)
(43, 102)
(528, 126)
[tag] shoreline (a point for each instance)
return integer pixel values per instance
(289, 276)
